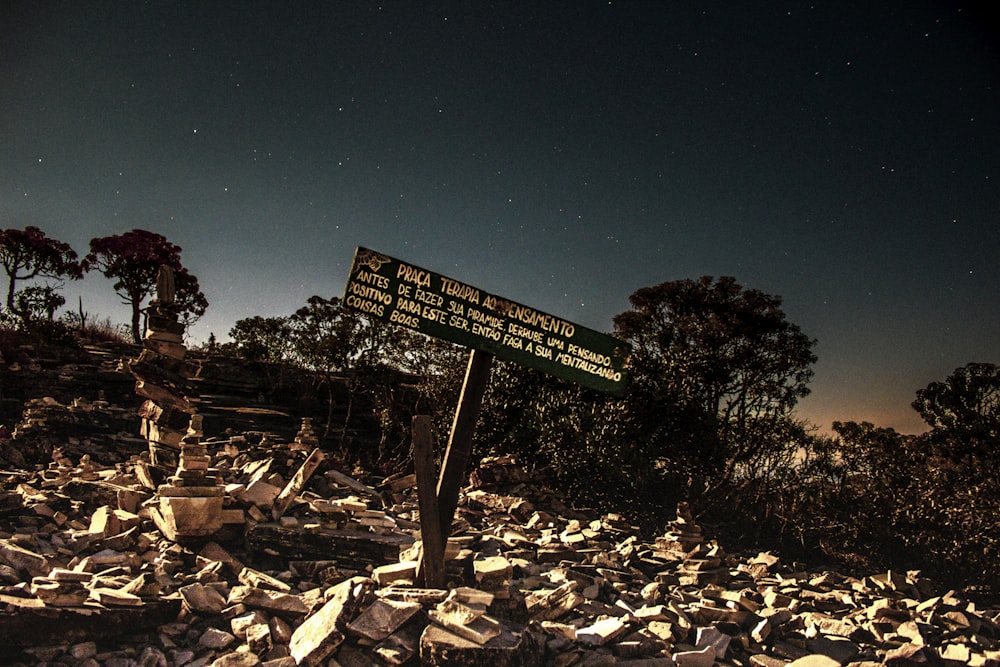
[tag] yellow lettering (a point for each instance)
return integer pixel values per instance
(411, 274)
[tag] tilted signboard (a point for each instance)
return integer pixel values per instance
(389, 290)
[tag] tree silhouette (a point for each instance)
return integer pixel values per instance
(262, 338)
(726, 351)
(27, 253)
(39, 302)
(964, 411)
(327, 338)
(133, 260)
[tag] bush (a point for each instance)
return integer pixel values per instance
(874, 499)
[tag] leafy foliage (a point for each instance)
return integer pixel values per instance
(328, 337)
(38, 302)
(724, 363)
(133, 260)
(964, 412)
(27, 254)
(872, 497)
(715, 372)
(262, 338)
(338, 342)
(438, 368)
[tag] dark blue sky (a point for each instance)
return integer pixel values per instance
(842, 155)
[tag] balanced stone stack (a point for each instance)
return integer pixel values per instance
(682, 535)
(162, 378)
(190, 503)
(194, 466)
(305, 439)
(701, 562)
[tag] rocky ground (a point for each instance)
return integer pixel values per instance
(316, 565)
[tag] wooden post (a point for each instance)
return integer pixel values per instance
(456, 457)
(430, 570)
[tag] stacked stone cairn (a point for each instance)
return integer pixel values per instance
(305, 439)
(190, 502)
(701, 562)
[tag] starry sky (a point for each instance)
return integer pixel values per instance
(842, 155)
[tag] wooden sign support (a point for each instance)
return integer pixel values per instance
(435, 537)
(430, 570)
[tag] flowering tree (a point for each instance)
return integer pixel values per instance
(133, 261)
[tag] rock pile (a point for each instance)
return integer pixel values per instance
(316, 567)
(92, 370)
(95, 428)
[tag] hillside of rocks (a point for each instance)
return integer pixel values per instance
(316, 564)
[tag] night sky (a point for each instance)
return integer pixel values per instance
(842, 155)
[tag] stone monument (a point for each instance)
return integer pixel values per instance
(190, 500)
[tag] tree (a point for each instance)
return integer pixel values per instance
(27, 253)
(856, 497)
(326, 338)
(715, 371)
(262, 338)
(880, 459)
(133, 260)
(38, 302)
(712, 347)
(573, 434)
(440, 367)
(369, 355)
(964, 411)
(959, 526)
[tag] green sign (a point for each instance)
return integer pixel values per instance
(393, 291)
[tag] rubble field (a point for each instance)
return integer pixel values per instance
(243, 549)
(314, 565)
